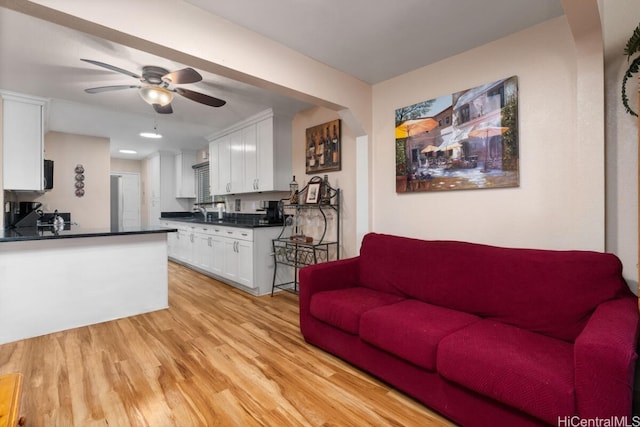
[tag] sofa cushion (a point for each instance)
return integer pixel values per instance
(547, 291)
(529, 371)
(342, 308)
(412, 329)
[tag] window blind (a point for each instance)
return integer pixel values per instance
(202, 182)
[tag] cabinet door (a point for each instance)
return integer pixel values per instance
(172, 239)
(214, 168)
(230, 259)
(237, 162)
(154, 189)
(250, 147)
(244, 259)
(22, 145)
(264, 155)
(218, 254)
(202, 251)
(185, 179)
(224, 165)
(185, 245)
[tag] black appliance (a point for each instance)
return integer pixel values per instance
(21, 214)
(48, 174)
(272, 212)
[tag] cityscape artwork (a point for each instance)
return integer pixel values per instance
(467, 140)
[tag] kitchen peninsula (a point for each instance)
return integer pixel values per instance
(52, 281)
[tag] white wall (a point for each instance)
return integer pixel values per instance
(620, 18)
(67, 151)
(345, 179)
(552, 208)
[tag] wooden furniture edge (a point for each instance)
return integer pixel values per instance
(10, 399)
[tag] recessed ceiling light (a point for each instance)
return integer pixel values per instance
(150, 135)
(128, 152)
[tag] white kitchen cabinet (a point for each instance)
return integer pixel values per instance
(172, 238)
(238, 256)
(202, 254)
(241, 257)
(185, 178)
(161, 177)
(23, 142)
(214, 168)
(252, 156)
(184, 248)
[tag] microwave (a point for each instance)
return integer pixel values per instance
(47, 175)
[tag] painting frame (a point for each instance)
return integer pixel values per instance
(462, 141)
(323, 147)
(313, 193)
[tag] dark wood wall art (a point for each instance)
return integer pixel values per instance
(323, 147)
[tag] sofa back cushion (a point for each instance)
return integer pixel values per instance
(547, 291)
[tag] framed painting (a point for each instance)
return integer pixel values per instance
(463, 141)
(313, 193)
(323, 147)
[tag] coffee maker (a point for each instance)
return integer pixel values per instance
(21, 214)
(272, 212)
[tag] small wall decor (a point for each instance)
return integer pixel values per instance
(323, 147)
(79, 185)
(467, 140)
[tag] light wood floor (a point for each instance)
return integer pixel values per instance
(217, 356)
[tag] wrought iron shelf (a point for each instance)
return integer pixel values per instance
(292, 248)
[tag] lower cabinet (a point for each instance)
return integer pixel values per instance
(238, 256)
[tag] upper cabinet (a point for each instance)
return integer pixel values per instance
(185, 178)
(252, 156)
(23, 142)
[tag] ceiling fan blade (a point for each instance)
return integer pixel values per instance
(200, 97)
(112, 68)
(110, 88)
(163, 109)
(186, 75)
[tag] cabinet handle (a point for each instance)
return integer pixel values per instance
(209, 241)
(191, 237)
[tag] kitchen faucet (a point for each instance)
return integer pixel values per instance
(203, 211)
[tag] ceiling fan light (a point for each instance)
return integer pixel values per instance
(156, 95)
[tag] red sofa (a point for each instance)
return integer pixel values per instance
(487, 336)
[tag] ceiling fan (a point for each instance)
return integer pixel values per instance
(156, 86)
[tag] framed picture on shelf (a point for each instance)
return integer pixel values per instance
(313, 193)
(323, 147)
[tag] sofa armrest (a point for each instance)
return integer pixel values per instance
(326, 276)
(605, 360)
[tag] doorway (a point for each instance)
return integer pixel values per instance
(125, 200)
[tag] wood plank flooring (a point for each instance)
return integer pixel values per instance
(216, 357)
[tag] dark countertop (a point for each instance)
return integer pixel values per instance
(238, 220)
(48, 233)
